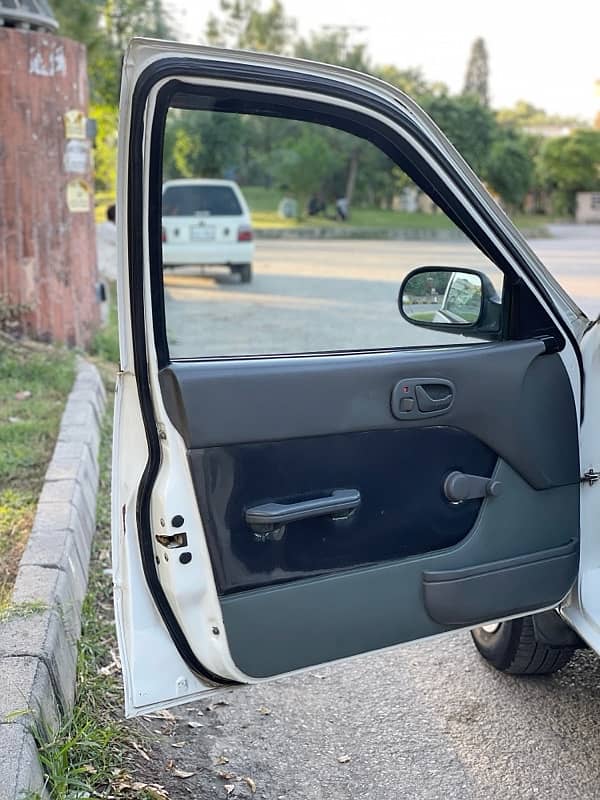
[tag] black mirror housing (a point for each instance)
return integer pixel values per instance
(457, 300)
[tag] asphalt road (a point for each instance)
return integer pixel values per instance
(343, 294)
(426, 721)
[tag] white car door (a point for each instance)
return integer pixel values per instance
(277, 510)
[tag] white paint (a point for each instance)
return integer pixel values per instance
(50, 63)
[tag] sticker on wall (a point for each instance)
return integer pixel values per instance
(76, 157)
(78, 196)
(75, 124)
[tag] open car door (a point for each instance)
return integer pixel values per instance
(281, 501)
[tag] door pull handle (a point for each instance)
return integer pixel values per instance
(268, 521)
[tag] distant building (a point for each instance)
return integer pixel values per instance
(588, 207)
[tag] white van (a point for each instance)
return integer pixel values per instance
(206, 222)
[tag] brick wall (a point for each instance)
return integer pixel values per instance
(47, 253)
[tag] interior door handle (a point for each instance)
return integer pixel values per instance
(415, 398)
(268, 521)
(426, 404)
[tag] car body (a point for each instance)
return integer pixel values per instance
(252, 494)
(206, 222)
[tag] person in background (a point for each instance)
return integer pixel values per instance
(341, 208)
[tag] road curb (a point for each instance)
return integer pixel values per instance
(38, 637)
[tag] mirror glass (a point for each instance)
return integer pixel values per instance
(443, 296)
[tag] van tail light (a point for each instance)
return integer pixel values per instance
(245, 233)
(163, 236)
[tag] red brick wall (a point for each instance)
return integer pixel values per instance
(47, 253)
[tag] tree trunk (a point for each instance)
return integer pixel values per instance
(351, 178)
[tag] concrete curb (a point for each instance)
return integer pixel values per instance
(392, 234)
(38, 639)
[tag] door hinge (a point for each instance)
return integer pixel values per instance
(590, 477)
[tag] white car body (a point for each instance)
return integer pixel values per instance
(205, 238)
(172, 618)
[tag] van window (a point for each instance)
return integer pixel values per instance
(199, 201)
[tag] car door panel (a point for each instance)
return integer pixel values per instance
(509, 395)
(255, 433)
(232, 601)
(281, 628)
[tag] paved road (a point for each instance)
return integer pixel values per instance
(315, 295)
(428, 721)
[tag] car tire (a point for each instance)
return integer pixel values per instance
(244, 271)
(514, 647)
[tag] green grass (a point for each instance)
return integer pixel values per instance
(35, 381)
(91, 750)
(263, 204)
(105, 343)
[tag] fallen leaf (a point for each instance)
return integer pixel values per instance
(229, 788)
(162, 714)
(113, 667)
(226, 776)
(195, 725)
(344, 759)
(25, 394)
(264, 710)
(180, 773)
(221, 760)
(250, 783)
(140, 750)
(152, 790)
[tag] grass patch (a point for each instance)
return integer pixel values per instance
(105, 343)
(92, 749)
(35, 381)
(21, 610)
(423, 316)
(263, 205)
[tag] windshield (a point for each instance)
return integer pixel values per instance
(200, 200)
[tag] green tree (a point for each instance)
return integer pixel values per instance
(305, 165)
(202, 144)
(105, 153)
(334, 46)
(410, 81)
(526, 115)
(245, 25)
(570, 164)
(477, 75)
(469, 125)
(509, 168)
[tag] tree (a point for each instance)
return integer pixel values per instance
(478, 73)
(245, 25)
(333, 46)
(469, 125)
(526, 115)
(305, 164)
(105, 27)
(410, 81)
(570, 164)
(509, 168)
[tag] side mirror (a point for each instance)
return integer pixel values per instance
(459, 300)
